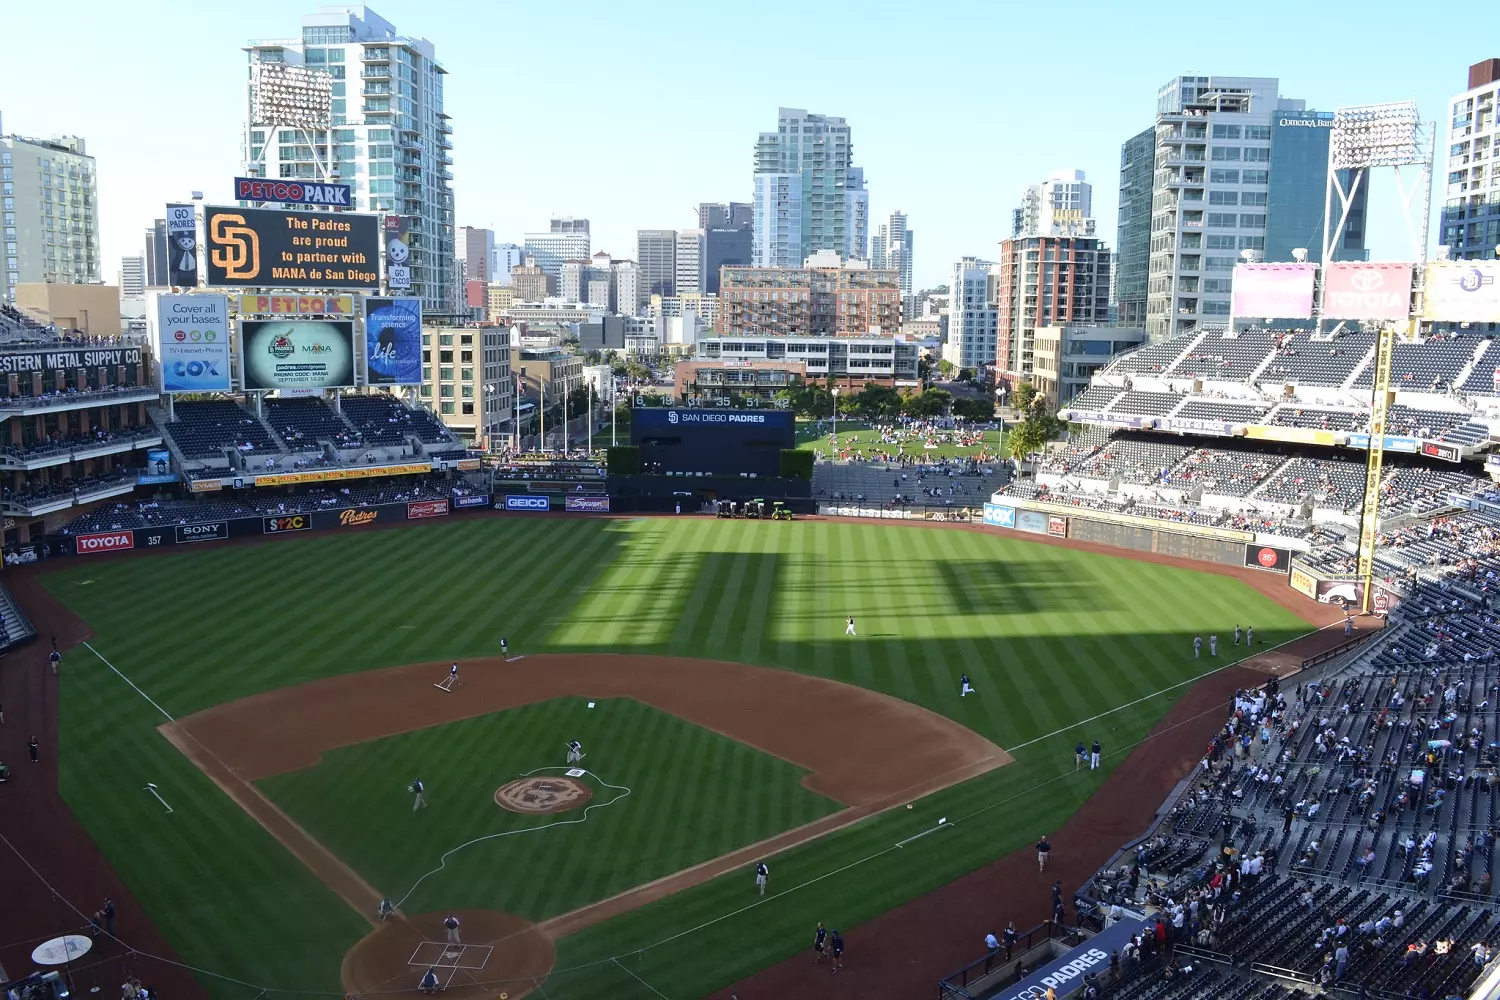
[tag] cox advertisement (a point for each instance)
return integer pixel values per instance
(525, 502)
(287, 354)
(192, 342)
(258, 248)
(999, 517)
(586, 505)
(393, 341)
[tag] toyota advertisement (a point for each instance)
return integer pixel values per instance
(291, 354)
(1361, 290)
(192, 343)
(104, 541)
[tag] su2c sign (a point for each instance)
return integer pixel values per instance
(104, 541)
(289, 522)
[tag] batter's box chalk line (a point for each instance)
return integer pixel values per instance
(624, 792)
(446, 955)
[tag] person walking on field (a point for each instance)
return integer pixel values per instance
(419, 795)
(1094, 757)
(1197, 647)
(32, 747)
(1080, 755)
(849, 628)
(450, 925)
(1043, 851)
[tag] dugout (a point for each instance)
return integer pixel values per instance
(711, 442)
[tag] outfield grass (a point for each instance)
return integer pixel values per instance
(685, 795)
(1050, 636)
(858, 434)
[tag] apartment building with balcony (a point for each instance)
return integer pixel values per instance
(825, 296)
(1471, 194)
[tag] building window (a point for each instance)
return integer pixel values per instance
(1256, 177)
(1223, 154)
(446, 408)
(468, 409)
(1222, 176)
(1226, 132)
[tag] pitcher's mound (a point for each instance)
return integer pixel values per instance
(542, 795)
(501, 955)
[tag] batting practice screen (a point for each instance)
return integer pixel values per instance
(712, 441)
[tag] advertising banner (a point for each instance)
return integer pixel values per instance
(1057, 526)
(1033, 521)
(397, 253)
(104, 541)
(192, 342)
(586, 505)
(260, 248)
(56, 361)
(158, 468)
(1293, 435)
(998, 516)
(290, 354)
(1392, 443)
(1268, 558)
(393, 341)
(297, 305)
(1462, 291)
(291, 192)
(287, 522)
(1273, 291)
(201, 532)
(207, 485)
(356, 517)
(330, 475)
(1303, 583)
(1361, 290)
(1441, 450)
(1067, 971)
(524, 502)
(182, 247)
(1195, 425)
(426, 508)
(478, 500)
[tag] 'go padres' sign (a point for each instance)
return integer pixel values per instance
(266, 249)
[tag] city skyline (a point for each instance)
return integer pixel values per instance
(198, 146)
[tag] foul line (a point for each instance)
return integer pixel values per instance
(1171, 687)
(443, 861)
(127, 680)
(638, 979)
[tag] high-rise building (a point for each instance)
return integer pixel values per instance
(692, 261)
(726, 248)
(1471, 200)
(479, 252)
(1294, 203)
(391, 136)
(809, 196)
(507, 256)
(572, 280)
(626, 275)
(51, 209)
(971, 315)
(1214, 175)
(157, 273)
(656, 252)
(1132, 270)
(1045, 281)
(1062, 205)
(730, 215)
(132, 279)
(567, 239)
(827, 296)
(530, 282)
(890, 247)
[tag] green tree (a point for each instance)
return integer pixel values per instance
(929, 403)
(1038, 423)
(878, 402)
(1022, 395)
(638, 372)
(945, 368)
(982, 408)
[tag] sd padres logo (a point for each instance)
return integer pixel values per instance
(671, 416)
(236, 247)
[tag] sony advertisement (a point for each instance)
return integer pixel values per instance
(393, 341)
(192, 342)
(252, 247)
(292, 354)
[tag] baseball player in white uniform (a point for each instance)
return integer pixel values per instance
(1197, 646)
(849, 627)
(964, 687)
(1213, 644)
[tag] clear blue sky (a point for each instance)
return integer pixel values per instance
(630, 113)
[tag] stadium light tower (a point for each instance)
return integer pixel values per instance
(1367, 137)
(293, 98)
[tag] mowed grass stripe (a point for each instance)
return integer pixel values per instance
(304, 608)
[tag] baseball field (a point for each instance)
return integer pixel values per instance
(281, 697)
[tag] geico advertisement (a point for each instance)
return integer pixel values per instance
(285, 354)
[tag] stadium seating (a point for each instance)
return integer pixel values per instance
(1227, 359)
(1155, 358)
(305, 423)
(383, 420)
(1134, 460)
(208, 428)
(1212, 409)
(1215, 470)
(1303, 361)
(1432, 366)
(1319, 419)
(1149, 404)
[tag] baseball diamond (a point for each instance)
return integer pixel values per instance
(726, 718)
